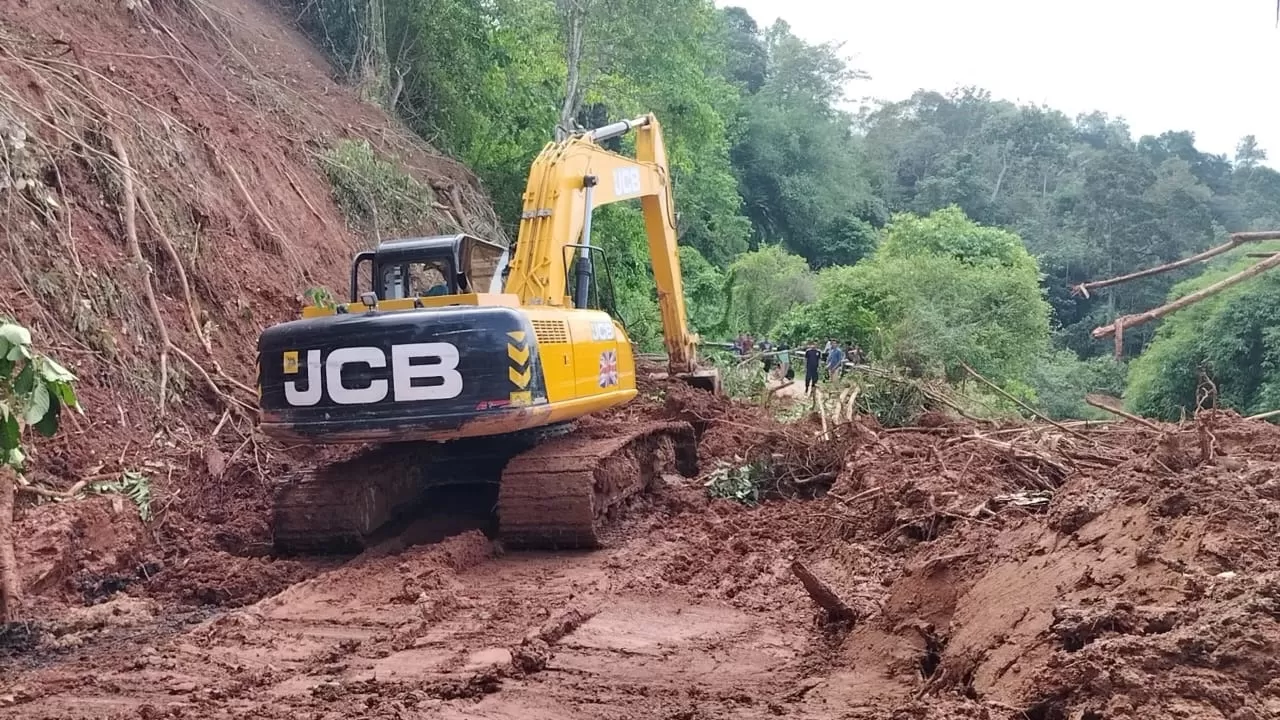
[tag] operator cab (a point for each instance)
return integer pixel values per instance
(431, 266)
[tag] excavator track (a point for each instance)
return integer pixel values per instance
(559, 494)
(340, 507)
(556, 488)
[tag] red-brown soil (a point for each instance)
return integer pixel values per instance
(993, 572)
(220, 106)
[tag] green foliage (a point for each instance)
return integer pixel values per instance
(320, 297)
(843, 310)
(133, 485)
(891, 402)
(374, 193)
(949, 233)
(619, 230)
(738, 379)
(947, 292)
(738, 480)
(33, 390)
(798, 164)
(703, 290)
(765, 157)
(1059, 382)
(1232, 337)
(765, 284)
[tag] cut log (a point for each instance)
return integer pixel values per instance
(1236, 241)
(1129, 321)
(822, 594)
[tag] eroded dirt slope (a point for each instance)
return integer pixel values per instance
(222, 115)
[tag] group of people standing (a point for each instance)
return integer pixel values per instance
(832, 358)
(772, 355)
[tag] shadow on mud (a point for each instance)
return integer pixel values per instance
(440, 513)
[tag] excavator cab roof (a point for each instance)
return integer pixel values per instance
(435, 265)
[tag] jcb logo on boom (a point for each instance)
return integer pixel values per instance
(327, 375)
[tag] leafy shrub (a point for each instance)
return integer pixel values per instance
(949, 292)
(739, 481)
(1059, 382)
(764, 285)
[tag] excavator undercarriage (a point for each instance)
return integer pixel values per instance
(555, 486)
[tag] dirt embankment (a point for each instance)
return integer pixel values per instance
(221, 116)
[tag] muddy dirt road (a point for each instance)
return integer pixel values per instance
(1018, 572)
(449, 630)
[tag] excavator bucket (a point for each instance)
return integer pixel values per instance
(708, 380)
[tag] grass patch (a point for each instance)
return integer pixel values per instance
(376, 194)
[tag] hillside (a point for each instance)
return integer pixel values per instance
(224, 119)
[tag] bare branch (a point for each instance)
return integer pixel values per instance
(1128, 321)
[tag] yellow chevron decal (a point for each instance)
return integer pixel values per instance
(519, 356)
(517, 335)
(520, 379)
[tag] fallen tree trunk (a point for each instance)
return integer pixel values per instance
(1127, 321)
(1236, 241)
(822, 594)
(1103, 402)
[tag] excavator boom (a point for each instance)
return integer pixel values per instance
(567, 182)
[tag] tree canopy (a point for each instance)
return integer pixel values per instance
(798, 215)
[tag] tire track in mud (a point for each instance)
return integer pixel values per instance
(448, 630)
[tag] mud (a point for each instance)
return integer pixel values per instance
(208, 97)
(996, 572)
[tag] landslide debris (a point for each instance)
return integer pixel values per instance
(1109, 571)
(989, 571)
(173, 176)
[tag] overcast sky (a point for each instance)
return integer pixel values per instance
(1208, 66)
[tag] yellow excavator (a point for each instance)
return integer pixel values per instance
(467, 363)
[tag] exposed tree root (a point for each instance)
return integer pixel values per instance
(131, 198)
(143, 267)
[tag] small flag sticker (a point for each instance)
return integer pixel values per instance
(608, 368)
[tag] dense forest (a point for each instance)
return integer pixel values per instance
(939, 231)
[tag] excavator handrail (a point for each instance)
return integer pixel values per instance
(570, 179)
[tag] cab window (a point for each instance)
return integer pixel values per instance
(416, 279)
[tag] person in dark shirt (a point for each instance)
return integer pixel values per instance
(811, 357)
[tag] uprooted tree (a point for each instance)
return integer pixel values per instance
(34, 389)
(1117, 327)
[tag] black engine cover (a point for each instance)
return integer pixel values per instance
(383, 375)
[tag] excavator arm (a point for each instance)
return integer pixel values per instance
(568, 181)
